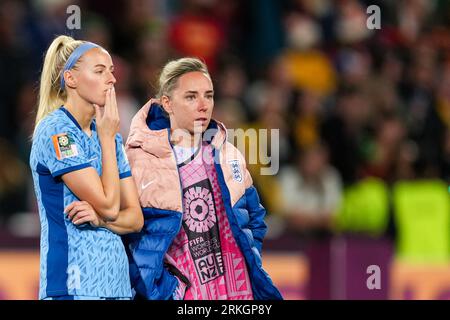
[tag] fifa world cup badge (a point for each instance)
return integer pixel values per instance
(64, 146)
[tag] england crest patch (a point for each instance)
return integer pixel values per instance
(64, 146)
(236, 170)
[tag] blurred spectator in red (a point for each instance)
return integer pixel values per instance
(197, 32)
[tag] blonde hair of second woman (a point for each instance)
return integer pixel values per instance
(174, 69)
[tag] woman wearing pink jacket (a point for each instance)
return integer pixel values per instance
(204, 224)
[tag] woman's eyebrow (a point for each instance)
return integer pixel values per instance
(102, 65)
(195, 92)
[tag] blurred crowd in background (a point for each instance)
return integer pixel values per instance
(358, 110)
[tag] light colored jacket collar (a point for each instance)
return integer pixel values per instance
(156, 141)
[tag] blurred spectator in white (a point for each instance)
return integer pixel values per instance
(311, 192)
(351, 26)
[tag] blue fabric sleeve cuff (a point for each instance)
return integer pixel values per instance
(125, 175)
(70, 169)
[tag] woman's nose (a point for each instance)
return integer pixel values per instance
(202, 104)
(112, 79)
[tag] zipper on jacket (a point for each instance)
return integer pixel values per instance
(179, 181)
(226, 198)
(170, 267)
(174, 270)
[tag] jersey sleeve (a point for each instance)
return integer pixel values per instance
(122, 160)
(62, 150)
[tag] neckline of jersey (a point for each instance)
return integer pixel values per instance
(72, 118)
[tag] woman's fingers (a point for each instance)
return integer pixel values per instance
(98, 112)
(72, 208)
(84, 216)
(87, 216)
(107, 103)
(75, 204)
(83, 220)
(112, 106)
(73, 212)
(108, 124)
(80, 212)
(75, 207)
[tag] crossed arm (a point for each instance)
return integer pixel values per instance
(129, 217)
(107, 201)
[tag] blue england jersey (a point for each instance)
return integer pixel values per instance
(74, 260)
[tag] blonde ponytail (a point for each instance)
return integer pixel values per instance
(51, 96)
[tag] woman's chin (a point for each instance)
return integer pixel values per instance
(101, 104)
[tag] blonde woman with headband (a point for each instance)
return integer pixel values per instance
(86, 194)
(204, 224)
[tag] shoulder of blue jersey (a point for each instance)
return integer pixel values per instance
(59, 129)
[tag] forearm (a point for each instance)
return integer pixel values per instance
(110, 179)
(130, 220)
